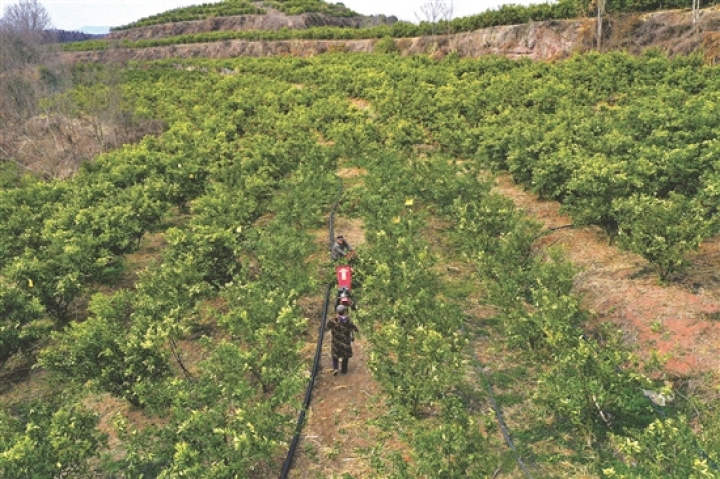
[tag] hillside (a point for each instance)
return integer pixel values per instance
(162, 304)
(228, 8)
(668, 31)
(271, 20)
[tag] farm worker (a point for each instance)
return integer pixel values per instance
(342, 335)
(340, 249)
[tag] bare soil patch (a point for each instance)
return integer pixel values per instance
(672, 326)
(360, 104)
(109, 409)
(352, 229)
(150, 251)
(352, 172)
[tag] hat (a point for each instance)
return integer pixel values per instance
(341, 309)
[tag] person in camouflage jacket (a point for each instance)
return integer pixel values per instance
(342, 336)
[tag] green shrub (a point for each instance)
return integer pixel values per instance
(385, 45)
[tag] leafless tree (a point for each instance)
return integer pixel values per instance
(696, 14)
(23, 28)
(435, 11)
(448, 13)
(28, 72)
(600, 13)
(26, 19)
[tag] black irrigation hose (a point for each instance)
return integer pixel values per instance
(498, 413)
(563, 227)
(287, 465)
(308, 393)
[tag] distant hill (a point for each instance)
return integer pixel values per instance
(668, 31)
(64, 36)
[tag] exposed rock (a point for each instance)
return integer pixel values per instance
(670, 31)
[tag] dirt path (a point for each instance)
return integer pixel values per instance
(336, 430)
(337, 423)
(675, 324)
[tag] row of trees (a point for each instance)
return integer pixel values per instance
(197, 12)
(623, 142)
(298, 7)
(232, 144)
(225, 8)
(236, 184)
(578, 383)
(419, 352)
(584, 383)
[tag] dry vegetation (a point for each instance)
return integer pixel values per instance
(43, 128)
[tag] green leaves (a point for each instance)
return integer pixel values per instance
(49, 444)
(107, 350)
(586, 386)
(662, 231)
(236, 191)
(416, 365)
(22, 322)
(665, 448)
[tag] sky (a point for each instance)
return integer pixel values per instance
(75, 14)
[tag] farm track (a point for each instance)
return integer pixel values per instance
(337, 435)
(336, 429)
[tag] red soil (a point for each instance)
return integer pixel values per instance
(675, 323)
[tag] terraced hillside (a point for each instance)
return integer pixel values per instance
(230, 8)
(260, 16)
(669, 31)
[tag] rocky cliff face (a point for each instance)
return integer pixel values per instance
(670, 31)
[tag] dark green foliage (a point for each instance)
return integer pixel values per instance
(385, 45)
(22, 321)
(106, 350)
(197, 12)
(662, 231)
(235, 193)
(297, 7)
